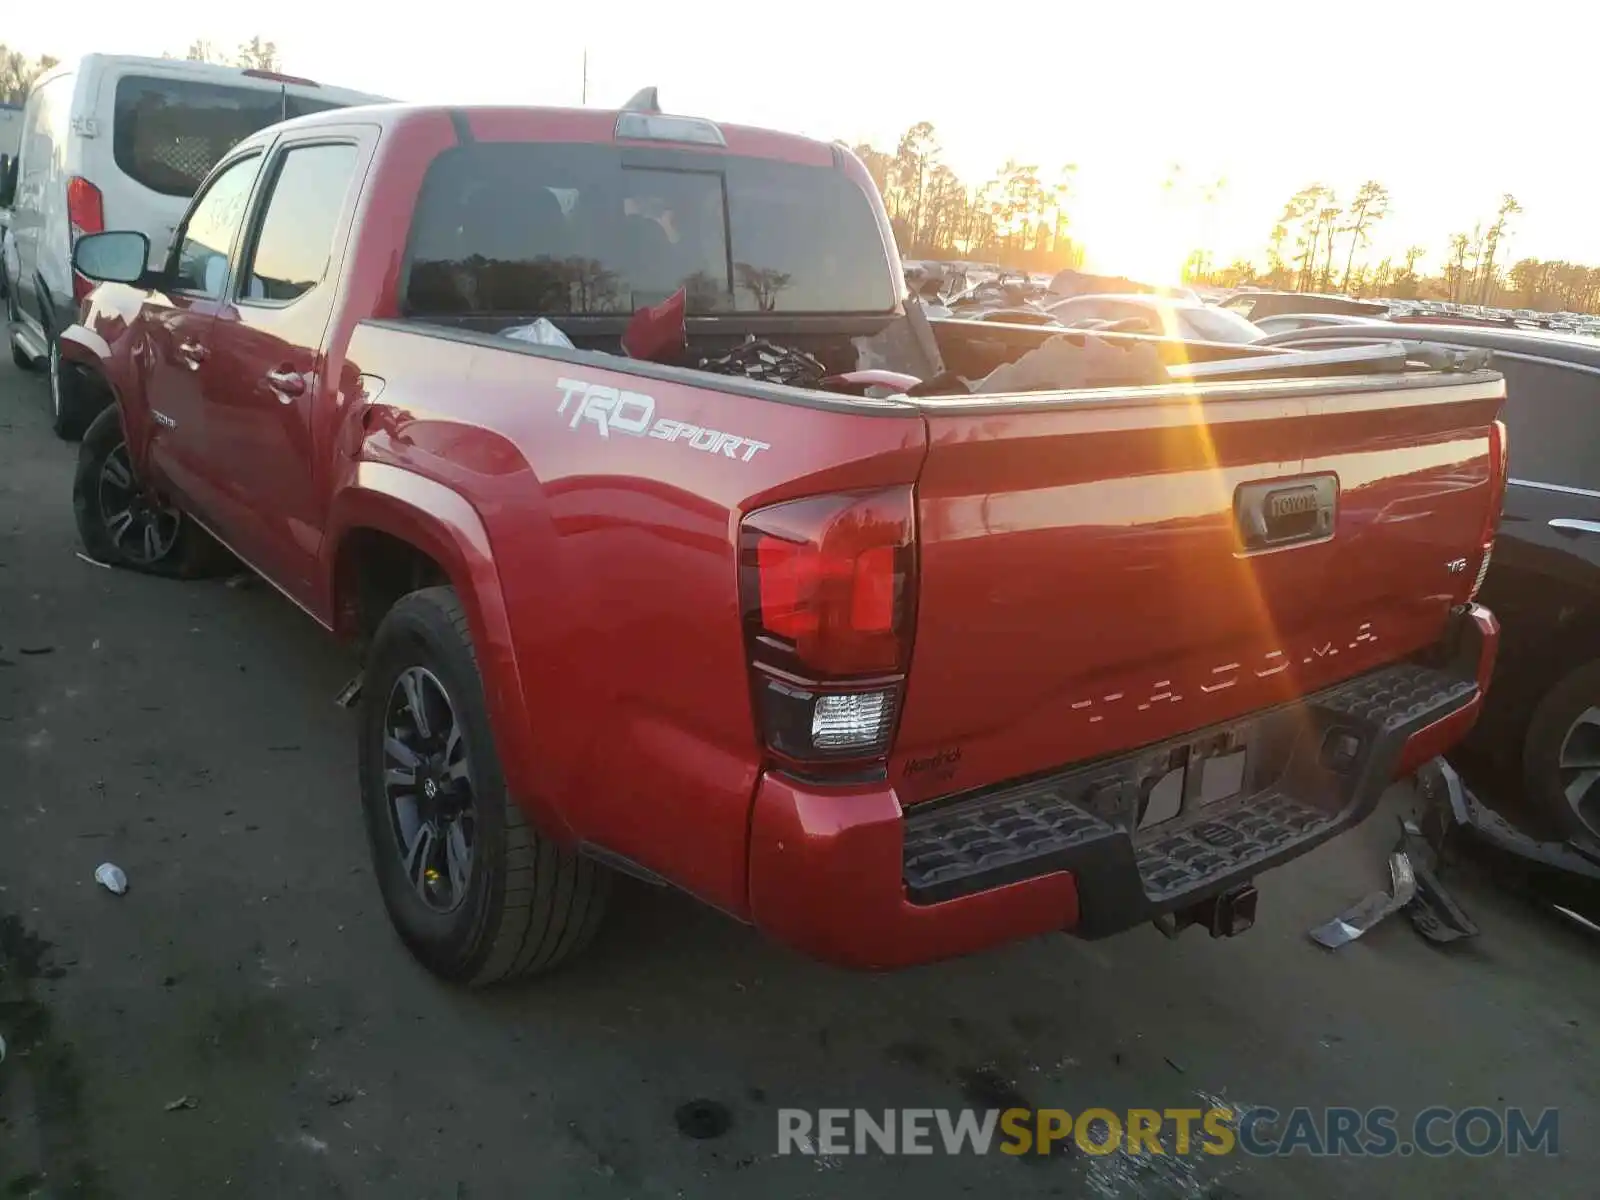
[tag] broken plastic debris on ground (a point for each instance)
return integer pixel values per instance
(1370, 910)
(111, 877)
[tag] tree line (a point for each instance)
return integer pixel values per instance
(17, 73)
(1022, 218)
(1019, 217)
(1315, 242)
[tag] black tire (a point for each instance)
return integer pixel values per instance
(74, 400)
(1556, 719)
(528, 905)
(180, 550)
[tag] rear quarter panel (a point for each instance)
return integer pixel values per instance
(614, 558)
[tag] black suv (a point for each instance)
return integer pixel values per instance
(1543, 712)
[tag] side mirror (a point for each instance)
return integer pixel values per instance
(115, 257)
(8, 180)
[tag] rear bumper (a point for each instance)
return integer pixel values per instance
(847, 877)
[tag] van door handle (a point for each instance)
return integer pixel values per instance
(192, 353)
(288, 384)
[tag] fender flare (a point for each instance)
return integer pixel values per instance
(85, 347)
(441, 523)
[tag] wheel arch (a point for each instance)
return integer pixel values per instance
(391, 527)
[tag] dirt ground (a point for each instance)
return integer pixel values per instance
(187, 732)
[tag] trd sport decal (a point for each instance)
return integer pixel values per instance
(633, 413)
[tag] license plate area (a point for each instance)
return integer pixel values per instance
(1198, 775)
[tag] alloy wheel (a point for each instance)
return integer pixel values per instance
(428, 781)
(1578, 766)
(143, 531)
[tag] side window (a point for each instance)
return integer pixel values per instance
(295, 243)
(202, 248)
(1552, 419)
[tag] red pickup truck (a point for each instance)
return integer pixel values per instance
(893, 677)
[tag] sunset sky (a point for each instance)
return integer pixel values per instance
(1448, 110)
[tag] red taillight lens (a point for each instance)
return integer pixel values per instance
(827, 582)
(86, 208)
(828, 586)
(86, 213)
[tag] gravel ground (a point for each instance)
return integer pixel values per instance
(187, 733)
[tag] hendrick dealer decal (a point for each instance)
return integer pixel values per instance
(633, 414)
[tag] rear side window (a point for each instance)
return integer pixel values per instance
(296, 239)
(168, 133)
(1552, 417)
(522, 229)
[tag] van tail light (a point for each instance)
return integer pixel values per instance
(828, 589)
(1498, 466)
(86, 213)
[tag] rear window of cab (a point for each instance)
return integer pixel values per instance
(515, 228)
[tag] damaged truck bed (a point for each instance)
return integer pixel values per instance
(896, 666)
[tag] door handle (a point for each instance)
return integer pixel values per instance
(192, 353)
(288, 384)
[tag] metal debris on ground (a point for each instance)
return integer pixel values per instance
(182, 1102)
(1434, 912)
(350, 693)
(111, 877)
(1577, 919)
(93, 562)
(1455, 806)
(1367, 912)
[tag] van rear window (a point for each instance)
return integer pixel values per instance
(168, 133)
(514, 228)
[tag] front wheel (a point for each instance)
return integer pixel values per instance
(1561, 754)
(475, 893)
(120, 523)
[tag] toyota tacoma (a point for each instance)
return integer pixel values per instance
(892, 672)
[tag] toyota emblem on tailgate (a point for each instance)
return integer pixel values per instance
(1285, 512)
(1282, 504)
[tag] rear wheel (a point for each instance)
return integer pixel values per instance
(475, 893)
(1561, 754)
(121, 524)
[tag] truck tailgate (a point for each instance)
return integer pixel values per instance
(1101, 571)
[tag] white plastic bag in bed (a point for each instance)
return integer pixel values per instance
(542, 332)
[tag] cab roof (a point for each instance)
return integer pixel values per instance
(579, 125)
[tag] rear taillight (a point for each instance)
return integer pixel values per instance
(1498, 466)
(86, 213)
(827, 586)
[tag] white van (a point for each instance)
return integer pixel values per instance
(117, 142)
